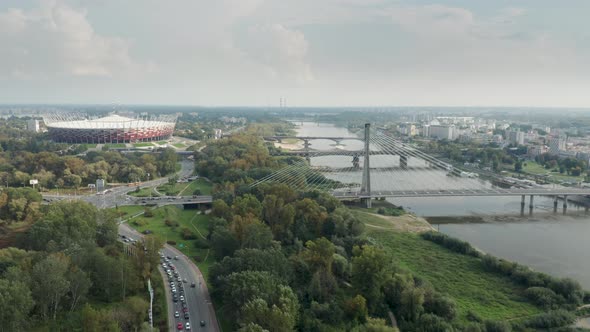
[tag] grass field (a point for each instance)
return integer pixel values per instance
(187, 189)
(115, 145)
(142, 145)
(162, 142)
(179, 145)
(534, 168)
(462, 277)
(143, 192)
(190, 219)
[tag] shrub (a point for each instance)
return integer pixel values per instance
(441, 306)
(543, 297)
(201, 243)
(171, 223)
(472, 316)
(450, 243)
(551, 319)
(139, 222)
(187, 234)
(197, 192)
(171, 242)
(148, 213)
(494, 326)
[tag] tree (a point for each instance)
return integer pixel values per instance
(279, 315)
(370, 269)
(50, 284)
(356, 309)
(518, 166)
(15, 305)
(220, 209)
(79, 284)
(247, 205)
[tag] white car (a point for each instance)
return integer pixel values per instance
(187, 326)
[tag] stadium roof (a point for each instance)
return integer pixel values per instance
(108, 122)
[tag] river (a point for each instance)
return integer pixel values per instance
(556, 244)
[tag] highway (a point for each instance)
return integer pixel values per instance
(197, 299)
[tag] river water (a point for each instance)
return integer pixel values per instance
(552, 243)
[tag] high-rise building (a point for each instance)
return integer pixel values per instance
(516, 137)
(441, 132)
(557, 144)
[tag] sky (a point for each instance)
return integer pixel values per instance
(305, 52)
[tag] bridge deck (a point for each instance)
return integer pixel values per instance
(463, 192)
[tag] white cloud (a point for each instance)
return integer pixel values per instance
(282, 50)
(55, 38)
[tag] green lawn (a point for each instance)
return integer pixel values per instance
(179, 145)
(190, 219)
(142, 145)
(462, 277)
(187, 189)
(115, 145)
(534, 168)
(143, 192)
(162, 142)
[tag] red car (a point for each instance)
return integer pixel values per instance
(179, 326)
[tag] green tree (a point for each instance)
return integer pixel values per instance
(15, 304)
(50, 284)
(370, 269)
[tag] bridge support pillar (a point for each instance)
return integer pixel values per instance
(306, 146)
(366, 183)
(531, 205)
(522, 203)
(403, 161)
(555, 204)
(564, 204)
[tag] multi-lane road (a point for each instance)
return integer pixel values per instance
(198, 301)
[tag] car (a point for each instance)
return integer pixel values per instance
(175, 299)
(193, 285)
(181, 298)
(168, 257)
(179, 326)
(179, 279)
(187, 326)
(176, 257)
(173, 267)
(202, 323)
(184, 280)
(186, 315)
(176, 314)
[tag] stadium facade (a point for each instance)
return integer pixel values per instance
(73, 128)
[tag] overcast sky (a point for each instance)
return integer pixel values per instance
(311, 52)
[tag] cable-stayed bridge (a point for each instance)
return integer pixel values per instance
(386, 167)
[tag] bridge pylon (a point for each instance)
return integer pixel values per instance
(366, 182)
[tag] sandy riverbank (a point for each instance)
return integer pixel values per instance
(406, 223)
(290, 146)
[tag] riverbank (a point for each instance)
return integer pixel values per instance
(476, 291)
(507, 218)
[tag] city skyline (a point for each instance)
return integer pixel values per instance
(305, 53)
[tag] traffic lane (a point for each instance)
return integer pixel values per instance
(193, 299)
(169, 302)
(205, 310)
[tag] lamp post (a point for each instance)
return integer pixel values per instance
(148, 180)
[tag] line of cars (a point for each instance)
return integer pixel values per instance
(178, 292)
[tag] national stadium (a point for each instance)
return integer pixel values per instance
(76, 128)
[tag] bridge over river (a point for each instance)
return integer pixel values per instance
(305, 176)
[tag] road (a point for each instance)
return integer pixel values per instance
(117, 196)
(197, 299)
